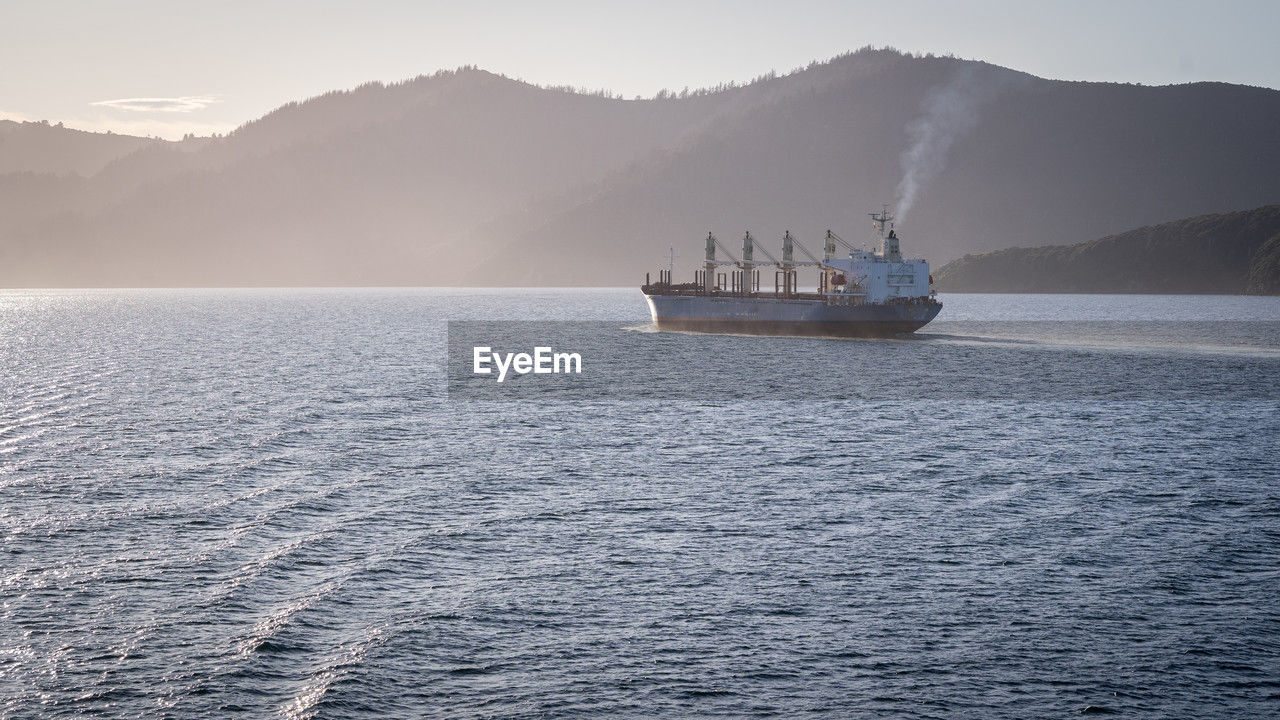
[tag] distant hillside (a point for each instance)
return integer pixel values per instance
(467, 177)
(38, 147)
(1229, 253)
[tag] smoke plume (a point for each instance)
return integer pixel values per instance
(947, 113)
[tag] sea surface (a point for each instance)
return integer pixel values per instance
(267, 503)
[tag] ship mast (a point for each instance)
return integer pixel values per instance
(709, 266)
(881, 218)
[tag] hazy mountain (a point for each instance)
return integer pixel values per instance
(1228, 253)
(38, 147)
(471, 178)
(1046, 163)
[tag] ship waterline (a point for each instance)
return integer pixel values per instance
(787, 316)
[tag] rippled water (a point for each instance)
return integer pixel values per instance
(264, 503)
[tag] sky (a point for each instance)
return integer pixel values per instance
(171, 67)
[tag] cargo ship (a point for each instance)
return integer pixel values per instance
(875, 293)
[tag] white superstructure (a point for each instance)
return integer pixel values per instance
(881, 276)
(878, 276)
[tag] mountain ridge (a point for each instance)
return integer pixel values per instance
(468, 177)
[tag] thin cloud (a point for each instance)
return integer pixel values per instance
(185, 104)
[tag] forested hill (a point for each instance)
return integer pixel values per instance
(469, 178)
(39, 147)
(1227, 253)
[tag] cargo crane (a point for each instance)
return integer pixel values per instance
(746, 280)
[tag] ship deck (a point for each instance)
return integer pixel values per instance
(695, 290)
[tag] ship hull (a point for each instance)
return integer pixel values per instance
(776, 316)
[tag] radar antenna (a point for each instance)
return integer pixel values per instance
(881, 218)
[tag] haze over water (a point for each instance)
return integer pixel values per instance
(262, 502)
